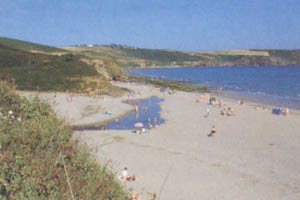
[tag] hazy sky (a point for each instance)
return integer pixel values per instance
(166, 24)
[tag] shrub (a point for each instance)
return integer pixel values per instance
(40, 160)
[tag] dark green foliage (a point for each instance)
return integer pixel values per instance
(35, 149)
(129, 64)
(177, 85)
(160, 56)
(18, 44)
(291, 56)
(240, 60)
(33, 71)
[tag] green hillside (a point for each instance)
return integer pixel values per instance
(46, 72)
(27, 46)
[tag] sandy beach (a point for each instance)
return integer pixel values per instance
(253, 154)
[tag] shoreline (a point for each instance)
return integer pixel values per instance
(253, 103)
(264, 99)
(184, 66)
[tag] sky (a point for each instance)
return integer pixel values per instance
(190, 25)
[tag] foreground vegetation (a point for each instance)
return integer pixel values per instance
(164, 83)
(40, 160)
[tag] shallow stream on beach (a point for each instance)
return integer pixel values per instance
(148, 109)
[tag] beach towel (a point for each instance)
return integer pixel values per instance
(277, 111)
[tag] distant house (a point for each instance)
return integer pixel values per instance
(90, 45)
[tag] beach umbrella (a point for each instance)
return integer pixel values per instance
(138, 125)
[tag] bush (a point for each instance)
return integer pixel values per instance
(40, 160)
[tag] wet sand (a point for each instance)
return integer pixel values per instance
(253, 154)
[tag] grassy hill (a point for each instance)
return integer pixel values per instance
(46, 72)
(126, 56)
(28, 46)
(137, 57)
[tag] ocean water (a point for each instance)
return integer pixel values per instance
(274, 85)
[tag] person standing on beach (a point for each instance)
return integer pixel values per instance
(136, 108)
(149, 123)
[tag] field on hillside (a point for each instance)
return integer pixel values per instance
(27, 46)
(241, 52)
(126, 56)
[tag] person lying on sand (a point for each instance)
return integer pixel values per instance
(126, 176)
(212, 132)
(139, 131)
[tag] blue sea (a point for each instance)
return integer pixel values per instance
(274, 85)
